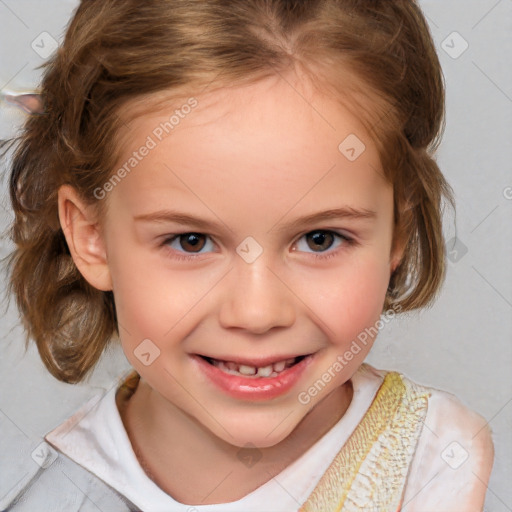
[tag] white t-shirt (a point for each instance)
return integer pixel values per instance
(446, 472)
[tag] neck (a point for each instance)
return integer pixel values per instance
(194, 466)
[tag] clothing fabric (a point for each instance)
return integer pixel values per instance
(399, 446)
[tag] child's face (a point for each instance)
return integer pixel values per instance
(248, 162)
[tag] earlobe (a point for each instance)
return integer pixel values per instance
(397, 253)
(401, 236)
(394, 264)
(84, 238)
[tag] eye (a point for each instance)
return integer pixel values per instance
(188, 246)
(323, 240)
(186, 242)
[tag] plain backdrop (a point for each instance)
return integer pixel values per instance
(462, 344)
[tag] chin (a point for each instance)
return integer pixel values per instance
(258, 433)
(258, 440)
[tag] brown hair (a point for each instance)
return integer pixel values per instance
(116, 51)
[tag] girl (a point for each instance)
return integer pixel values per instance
(241, 193)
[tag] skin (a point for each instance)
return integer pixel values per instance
(251, 159)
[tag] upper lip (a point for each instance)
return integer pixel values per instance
(257, 362)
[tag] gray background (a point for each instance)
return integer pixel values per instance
(462, 344)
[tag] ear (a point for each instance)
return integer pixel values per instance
(400, 239)
(31, 103)
(397, 253)
(78, 221)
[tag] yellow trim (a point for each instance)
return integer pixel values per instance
(371, 468)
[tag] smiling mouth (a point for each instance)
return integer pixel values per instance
(245, 370)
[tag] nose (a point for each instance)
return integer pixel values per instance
(256, 298)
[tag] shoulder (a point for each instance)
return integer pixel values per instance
(36, 476)
(453, 459)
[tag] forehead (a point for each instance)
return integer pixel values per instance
(280, 141)
(267, 104)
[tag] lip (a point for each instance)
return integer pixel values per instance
(251, 388)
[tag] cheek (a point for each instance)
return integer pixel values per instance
(151, 300)
(350, 301)
(143, 305)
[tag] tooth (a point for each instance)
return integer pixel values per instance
(231, 365)
(279, 366)
(247, 370)
(231, 372)
(290, 361)
(265, 371)
(221, 365)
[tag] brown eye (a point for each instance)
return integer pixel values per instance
(191, 242)
(320, 240)
(322, 244)
(188, 246)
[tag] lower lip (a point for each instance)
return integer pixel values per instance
(250, 388)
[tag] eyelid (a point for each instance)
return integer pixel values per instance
(341, 231)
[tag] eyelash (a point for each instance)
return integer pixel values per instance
(348, 242)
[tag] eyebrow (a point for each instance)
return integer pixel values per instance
(345, 212)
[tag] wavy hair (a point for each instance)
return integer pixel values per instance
(375, 52)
